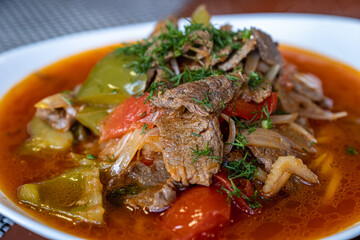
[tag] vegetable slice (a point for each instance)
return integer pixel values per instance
(91, 117)
(44, 137)
(251, 110)
(111, 81)
(197, 210)
(131, 114)
(76, 194)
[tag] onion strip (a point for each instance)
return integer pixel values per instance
(232, 133)
(284, 119)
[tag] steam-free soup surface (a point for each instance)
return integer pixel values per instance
(310, 212)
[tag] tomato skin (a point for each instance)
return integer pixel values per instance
(221, 180)
(248, 110)
(129, 115)
(196, 211)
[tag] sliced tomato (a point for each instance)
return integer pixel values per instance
(221, 180)
(251, 110)
(196, 211)
(129, 115)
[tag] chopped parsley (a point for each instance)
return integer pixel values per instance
(208, 151)
(351, 151)
(254, 80)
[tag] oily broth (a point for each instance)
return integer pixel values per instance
(302, 214)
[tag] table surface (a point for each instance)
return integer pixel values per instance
(348, 8)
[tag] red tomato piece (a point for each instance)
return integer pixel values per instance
(129, 115)
(196, 211)
(250, 110)
(221, 180)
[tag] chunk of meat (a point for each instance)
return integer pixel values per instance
(239, 55)
(179, 146)
(202, 97)
(57, 111)
(144, 187)
(267, 48)
(268, 156)
(259, 94)
(308, 85)
(282, 170)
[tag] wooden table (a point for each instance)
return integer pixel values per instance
(348, 8)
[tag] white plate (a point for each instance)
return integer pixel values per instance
(335, 37)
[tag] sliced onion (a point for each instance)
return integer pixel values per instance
(273, 71)
(302, 131)
(262, 137)
(232, 133)
(252, 61)
(313, 111)
(124, 149)
(175, 66)
(284, 119)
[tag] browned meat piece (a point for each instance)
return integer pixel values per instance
(267, 48)
(257, 95)
(239, 55)
(202, 97)
(179, 146)
(144, 187)
(308, 85)
(56, 118)
(268, 156)
(221, 55)
(57, 111)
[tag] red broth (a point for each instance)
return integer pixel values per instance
(310, 212)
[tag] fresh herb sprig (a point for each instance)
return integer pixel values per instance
(254, 80)
(208, 151)
(205, 102)
(241, 169)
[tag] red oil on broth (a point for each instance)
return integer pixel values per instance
(305, 214)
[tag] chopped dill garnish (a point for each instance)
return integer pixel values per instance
(234, 79)
(142, 115)
(144, 129)
(153, 89)
(254, 80)
(197, 135)
(267, 123)
(240, 168)
(240, 141)
(205, 102)
(208, 151)
(111, 159)
(351, 151)
(91, 157)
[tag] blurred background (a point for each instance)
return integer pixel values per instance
(23, 22)
(27, 21)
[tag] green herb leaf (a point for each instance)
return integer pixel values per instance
(351, 151)
(254, 80)
(91, 157)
